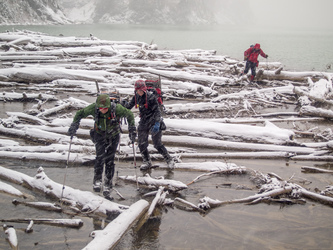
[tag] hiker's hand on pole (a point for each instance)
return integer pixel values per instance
(73, 128)
(132, 133)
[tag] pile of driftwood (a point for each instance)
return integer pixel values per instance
(206, 104)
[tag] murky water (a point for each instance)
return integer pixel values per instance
(234, 226)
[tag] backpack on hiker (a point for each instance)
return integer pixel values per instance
(154, 86)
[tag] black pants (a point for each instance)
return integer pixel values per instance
(106, 147)
(143, 133)
(252, 66)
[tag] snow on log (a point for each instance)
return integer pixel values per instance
(11, 237)
(317, 197)
(48, 74)
(112, 233)
(39, 205)
(89, 201)
(300, 92)
(156, 183)
(207, 202)
(269, 133)
(8, 189)
(291, 76)
(74, 223)
(211, 166)
(256, 93)
(39, 135)
(154, 202)
(205, 80)
(194, 141)
(307, 169)
(10, 96)
(317, 112)
(29, 118)
(239, 155)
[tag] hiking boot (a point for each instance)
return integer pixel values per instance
(107, 191)
(145, 165)
(97, 185)
(171, 163)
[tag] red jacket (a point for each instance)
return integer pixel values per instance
(252, 53)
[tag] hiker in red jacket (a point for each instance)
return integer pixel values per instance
(251, 58)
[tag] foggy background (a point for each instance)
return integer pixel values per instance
(292, 13)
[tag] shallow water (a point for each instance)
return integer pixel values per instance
(233, 226)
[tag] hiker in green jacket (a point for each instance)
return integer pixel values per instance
(105, 135)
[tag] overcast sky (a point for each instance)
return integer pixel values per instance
(294, 13)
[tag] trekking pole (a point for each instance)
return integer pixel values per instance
(63, 186)
(137, 184)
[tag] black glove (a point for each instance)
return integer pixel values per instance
(124, 103)
(132, 133)
(73, 128)
(266, 55)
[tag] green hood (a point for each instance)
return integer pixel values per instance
(103, 101)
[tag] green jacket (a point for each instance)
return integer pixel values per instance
(106, 122)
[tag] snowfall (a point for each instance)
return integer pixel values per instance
(212, 115)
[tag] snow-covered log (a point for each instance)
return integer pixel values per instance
(75, 223)
(207, 202)
(8, 189)
(112, 233)
(256, 93)
(10, 96)
(11, 237)
(307, 169)
(39, 205)
(291, 76)
(269, 133)
(48, 74)
(317, 197)
(31, 119)
(205, 80)
(316, 112)
(90, 202)
(154, 202)
(156, 183)
(195, 141)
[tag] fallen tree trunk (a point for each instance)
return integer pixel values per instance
(317, 197)
(306, 169)
(91, 202)
(112, 233)
(39, 205)
(8, 189)
(156, 183)
(207, 202)
(74, 223)
(317, 112)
